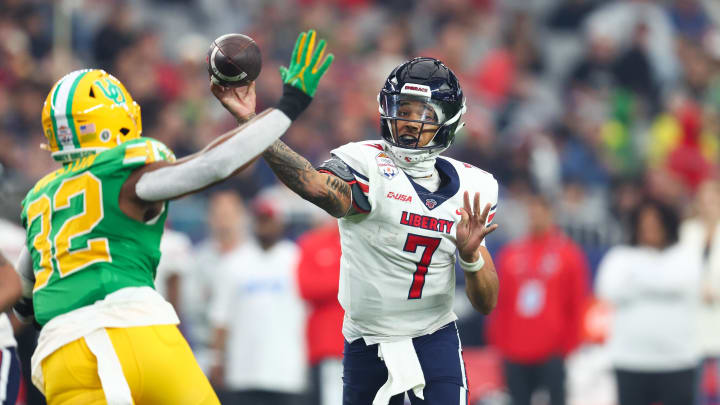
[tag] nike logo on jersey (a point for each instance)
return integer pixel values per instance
(426, 222)
(399, 197)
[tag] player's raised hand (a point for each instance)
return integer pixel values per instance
(472, 230)
(307, 65)
(240, 101)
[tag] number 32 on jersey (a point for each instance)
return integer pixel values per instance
(67, 260)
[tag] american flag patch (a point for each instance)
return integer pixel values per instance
(87, 129)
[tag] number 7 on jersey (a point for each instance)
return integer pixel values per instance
(411, 245)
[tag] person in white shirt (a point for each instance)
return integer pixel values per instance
(703, 232)
(653, 287)
(227, 227)
(259, 318)
(175, 264)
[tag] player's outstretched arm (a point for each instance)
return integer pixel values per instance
(325, 190)
(233, 151)
(481, 281)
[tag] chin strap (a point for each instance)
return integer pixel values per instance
(414, 162)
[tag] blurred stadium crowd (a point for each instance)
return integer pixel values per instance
(594, 104)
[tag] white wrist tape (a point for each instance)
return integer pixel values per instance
(472, 267)
(217, 163)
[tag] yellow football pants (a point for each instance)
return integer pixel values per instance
(156, 361)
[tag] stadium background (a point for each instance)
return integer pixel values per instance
(591, 102)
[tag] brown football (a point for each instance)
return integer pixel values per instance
(234, 60)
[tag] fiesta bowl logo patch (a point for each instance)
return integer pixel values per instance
(386, 165)
(430, 203)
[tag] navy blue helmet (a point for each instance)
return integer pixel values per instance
(433, 93)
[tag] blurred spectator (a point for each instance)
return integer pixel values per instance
(590, 379)
(114, 35)
(226, 222)
(689, 18)
(617, 21)
(583, 215)
(12, 240)
(319, 277)
(176, 261)
(702, 231)
(544, 285)
(653, 286)
(258, 318)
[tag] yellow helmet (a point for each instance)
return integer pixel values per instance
(86, 112)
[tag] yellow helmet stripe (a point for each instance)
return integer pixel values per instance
(61, 110)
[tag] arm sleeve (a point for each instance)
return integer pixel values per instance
(23, 309)
(26, 273)
(216, 163)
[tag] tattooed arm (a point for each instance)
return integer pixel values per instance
(325, 190)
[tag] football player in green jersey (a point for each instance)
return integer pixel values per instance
(93, 234)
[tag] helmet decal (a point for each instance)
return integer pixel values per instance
(111, 91)
(81, 115)
(105, 135)
(61, 110)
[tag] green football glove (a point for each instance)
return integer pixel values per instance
(306, 68)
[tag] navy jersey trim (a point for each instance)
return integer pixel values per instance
(358, 174)
(449, 185)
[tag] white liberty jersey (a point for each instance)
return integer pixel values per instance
(397, 272)
(12, 240)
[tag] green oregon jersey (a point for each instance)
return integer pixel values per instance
(82, 246)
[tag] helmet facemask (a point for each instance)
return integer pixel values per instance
(409, 120)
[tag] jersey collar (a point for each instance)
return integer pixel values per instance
(449, 185)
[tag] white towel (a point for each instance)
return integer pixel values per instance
(112, 379)
(404, 371)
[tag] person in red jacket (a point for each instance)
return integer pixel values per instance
(318, 278)
(537, 322)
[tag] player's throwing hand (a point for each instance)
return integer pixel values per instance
(472, 230)
(240, 101)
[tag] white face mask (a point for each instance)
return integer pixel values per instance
(414, 162)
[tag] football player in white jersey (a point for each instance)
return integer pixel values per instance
(404, 211)
(12, 238)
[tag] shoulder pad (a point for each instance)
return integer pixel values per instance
(336, 166)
